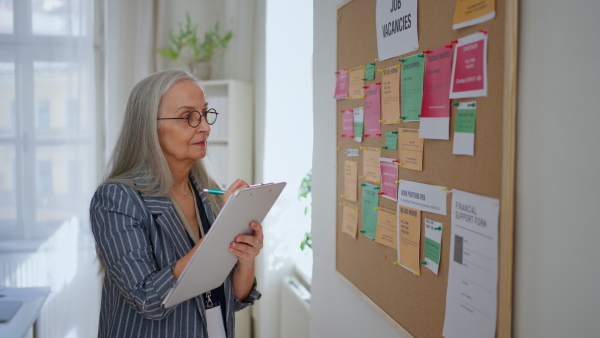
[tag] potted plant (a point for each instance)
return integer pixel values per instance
(202, 52)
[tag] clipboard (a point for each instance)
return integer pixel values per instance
(212, 262)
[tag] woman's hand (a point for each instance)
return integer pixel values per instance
(237, 185)
(247, 247)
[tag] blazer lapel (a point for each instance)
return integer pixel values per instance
(166, 219)
(207, 208)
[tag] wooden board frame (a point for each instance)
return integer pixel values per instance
(507, 15)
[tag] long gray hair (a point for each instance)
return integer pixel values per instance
(137, 160)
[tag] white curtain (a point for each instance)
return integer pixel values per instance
(130, 41)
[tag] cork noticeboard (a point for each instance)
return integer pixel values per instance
(416, 304)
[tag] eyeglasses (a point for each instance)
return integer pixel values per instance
(194, 117)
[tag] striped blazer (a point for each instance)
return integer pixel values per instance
(139, 239)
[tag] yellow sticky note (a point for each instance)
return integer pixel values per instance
(386, 228)
(410, 147)
(371, 164)
(351, 180)
(390, 95)
(409, 228)
(350, 221)
(472, 12)
(356, 83)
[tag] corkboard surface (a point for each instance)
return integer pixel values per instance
(417, 303)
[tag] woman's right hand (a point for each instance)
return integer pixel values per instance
(237, 185)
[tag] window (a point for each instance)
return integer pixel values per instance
(44, 178)
(46, 75)
(43, 113)
(72, 113)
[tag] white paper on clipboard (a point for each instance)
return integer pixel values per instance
(212, 261)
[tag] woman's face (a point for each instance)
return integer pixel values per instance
(180, 143)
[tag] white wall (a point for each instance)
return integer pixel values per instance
(558, 146)
(558, 193)
(336, 310)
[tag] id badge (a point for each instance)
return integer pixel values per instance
(214, 322)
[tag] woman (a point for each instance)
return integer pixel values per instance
(150, 214)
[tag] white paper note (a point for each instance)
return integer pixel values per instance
(421, 196)
(471, 298)
(396, 28)
(433, 244)
(359, 123)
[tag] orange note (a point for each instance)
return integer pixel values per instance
(390, 95)
(472, 12)
(351, 180)
(356, 83)
(409, 238)
(386, 228)
(371, 164)
(410, 147)
(350, 221)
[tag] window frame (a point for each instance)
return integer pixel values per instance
(24, 49)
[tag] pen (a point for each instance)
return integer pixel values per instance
(213, 191)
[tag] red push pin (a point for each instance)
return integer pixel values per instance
(483, 31)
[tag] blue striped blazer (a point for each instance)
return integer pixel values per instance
(139, 239)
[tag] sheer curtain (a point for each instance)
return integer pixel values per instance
(130, 40)
(48, 162)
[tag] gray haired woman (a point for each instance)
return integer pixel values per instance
(150, 214)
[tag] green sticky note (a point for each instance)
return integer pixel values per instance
(391, 140)
(432, 250)
(370, 201)
(358, 129)
(465, 121)
(370, 72)
(412, 87)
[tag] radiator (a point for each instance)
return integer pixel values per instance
(295, 307)
(67, 264)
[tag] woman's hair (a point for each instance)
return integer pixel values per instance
(137, 160)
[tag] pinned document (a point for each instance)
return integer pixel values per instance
(390, 95)
(433, 244)
(435, 113)
(408, 229)
(356, 83)
(386, 228)
(472, 294)
(412, 87)
(350, 221)
(341, 86)
(370, 205)
(469, 69)
(359, 123)
(372, 111)
(464, 129)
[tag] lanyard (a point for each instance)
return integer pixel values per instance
(208, 301)
(184, 220)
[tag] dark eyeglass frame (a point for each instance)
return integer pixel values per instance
(199, 119)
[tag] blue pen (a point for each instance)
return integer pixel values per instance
(213, 191)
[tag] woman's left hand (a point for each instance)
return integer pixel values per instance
(247, 247)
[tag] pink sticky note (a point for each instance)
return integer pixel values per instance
(435, 111)
(348, 123)
(341, 88)
(436, 84)
(372, 110)
(469, 73)
(389, 176)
